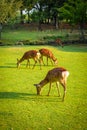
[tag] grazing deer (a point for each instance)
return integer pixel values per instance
(32, 54)
(59, 42)
(58, 75)
(47, 53)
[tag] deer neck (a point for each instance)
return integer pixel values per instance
(53, 58)
(43, 82)
(22, 59)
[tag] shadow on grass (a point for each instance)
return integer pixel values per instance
(13, 95)
(3, 66)
(23, 66)
(8, 65)
(29, 97)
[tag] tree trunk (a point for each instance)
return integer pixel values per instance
(40, 21)
(56, 22)
(28, 16)
(0, 30)
(0, 34)
(48, 21)
(39, 26)
(21, 18)
(82, 36)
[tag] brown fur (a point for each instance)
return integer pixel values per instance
(55, 75)
(59, 42)
(47, 53)
(32, 54)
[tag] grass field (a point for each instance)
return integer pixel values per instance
(22, 109)
(11, 37)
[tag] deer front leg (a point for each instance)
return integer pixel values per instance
(57, 85)
(43, 61)
(49, 89)
(51, 61)
(28, 63)
(41, 58)
(40, 63)
(34, 64)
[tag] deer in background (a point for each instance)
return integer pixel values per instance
(47, 53)
(58, 75)
(59, 42)
(32, 54)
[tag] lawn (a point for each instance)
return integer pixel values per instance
(11, 37)
(22, 109)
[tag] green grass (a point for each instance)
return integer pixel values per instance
(11, 37)
(22, 109)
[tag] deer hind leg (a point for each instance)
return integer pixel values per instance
(41, 58)
(28, 63)
(47, 61)
(49, 89)
(57, 85)
(64, 87)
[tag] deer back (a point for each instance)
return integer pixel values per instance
(57, 74)
(46, 52)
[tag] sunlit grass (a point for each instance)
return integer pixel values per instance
(22, 109)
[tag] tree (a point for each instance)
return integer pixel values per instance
(48, 9)
(75, 12)
(52, 7)
(40, 7)
(8, 9)
(29, 4)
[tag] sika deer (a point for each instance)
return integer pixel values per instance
(58, 75)
(59, 42)
(32, 54)
(47, 53)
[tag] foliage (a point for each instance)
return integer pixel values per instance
(22, 109)
(43, 11)
(75, 12)
(8, 9)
